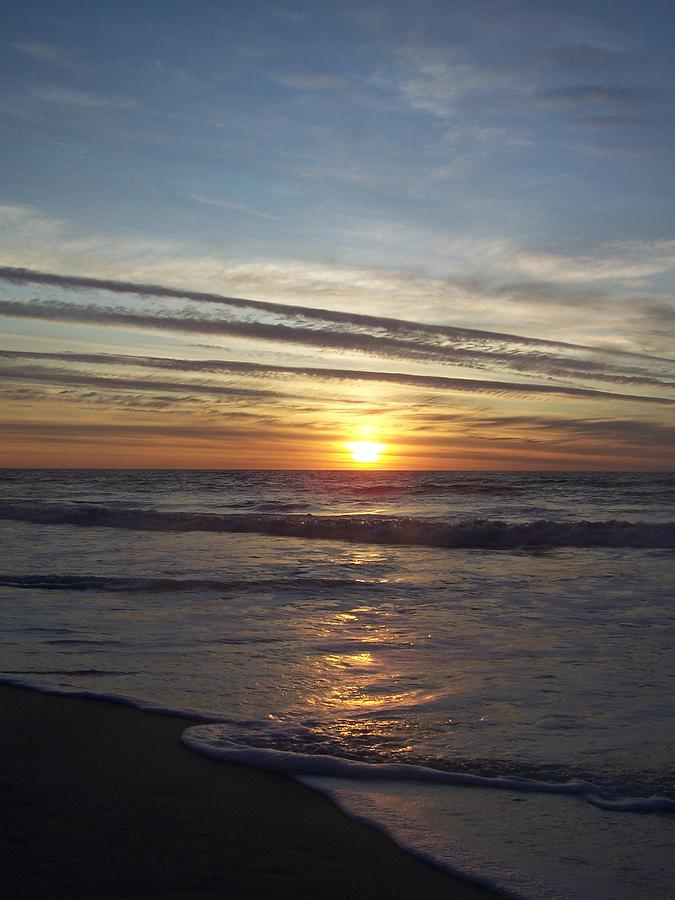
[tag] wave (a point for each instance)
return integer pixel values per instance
(212, 741)
(80, 673)
(435, 487)
(461, 487)
(382, 490)
(235, 741)
(487, 534)
(275, 506)
(149, 585)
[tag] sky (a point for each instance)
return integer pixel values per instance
(245, 235)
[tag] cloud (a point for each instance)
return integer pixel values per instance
(327, 339)
(51, 376)
(287, 15)
(584, 437)
(614, 260)
(44, 52)
(215, 366)
(23, 395)
(596, 94)
(609, 124)
(224, 204)
(429, 382)
(586, 55)
(311, 81)
(433, 81)
(487, 280)
(634, 432)
(79, 432)
(25, 231)
(311, 314)
(340, 332)
(79, 99)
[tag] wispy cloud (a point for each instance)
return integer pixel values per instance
(487, 279)
(311, 81)
(52, 376)
(597, 94)
(585, 54)
(220, 366)
(147, 431)
(602, 124)
(280, 332)
(406, 207)
(615, 260)
(227, 205)
(322, 316)
(433, 418)
(288, 15)
(429, 382)
(571, 371)
(587, 435)
(80, 99)
(433, 81)
(49, 53)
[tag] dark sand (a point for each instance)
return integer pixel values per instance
(101, 800)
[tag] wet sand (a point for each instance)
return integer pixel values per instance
(101, 800)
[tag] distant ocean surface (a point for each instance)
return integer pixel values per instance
(480, 663)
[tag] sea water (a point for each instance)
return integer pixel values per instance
(479, 663)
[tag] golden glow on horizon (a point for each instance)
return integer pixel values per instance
(365, 452)
(139, 427)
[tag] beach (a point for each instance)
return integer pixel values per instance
(102, 800)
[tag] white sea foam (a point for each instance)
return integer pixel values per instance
(226, 739)
(536, 846)
(221, 743)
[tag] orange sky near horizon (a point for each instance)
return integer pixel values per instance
(113, 409)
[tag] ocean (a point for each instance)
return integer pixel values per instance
(481, 664)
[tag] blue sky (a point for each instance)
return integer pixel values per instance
(501, 166)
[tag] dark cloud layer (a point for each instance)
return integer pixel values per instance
(583, 94)
(430, 382)
(399, 345)
(471, 337)
(51, 376)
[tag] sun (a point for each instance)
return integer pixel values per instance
(365, 451)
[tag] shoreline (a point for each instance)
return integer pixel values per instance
(103, 800)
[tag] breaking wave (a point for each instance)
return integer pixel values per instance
(219, 741)
(488, 534)
(247, 742)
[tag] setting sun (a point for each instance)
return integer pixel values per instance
(365, 451)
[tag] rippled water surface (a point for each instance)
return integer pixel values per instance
(547, 656)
